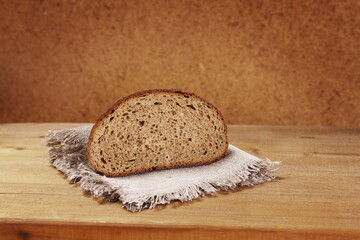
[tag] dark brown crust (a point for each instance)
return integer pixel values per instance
(144, 93)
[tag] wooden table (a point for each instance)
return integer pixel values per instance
(316, 196)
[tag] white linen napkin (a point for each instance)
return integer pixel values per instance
(146, 190)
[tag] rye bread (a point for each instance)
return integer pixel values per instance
(156, 129)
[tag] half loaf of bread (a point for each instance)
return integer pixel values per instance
(156, 129)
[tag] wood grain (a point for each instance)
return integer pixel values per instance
(316, 195)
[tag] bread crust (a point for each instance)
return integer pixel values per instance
(144, 93)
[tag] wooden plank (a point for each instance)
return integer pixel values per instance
(316, 195)
(45, 231)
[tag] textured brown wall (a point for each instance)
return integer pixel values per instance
(261, 62)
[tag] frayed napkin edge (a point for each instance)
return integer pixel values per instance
(261, 171)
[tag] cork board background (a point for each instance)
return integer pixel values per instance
(261, 62)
